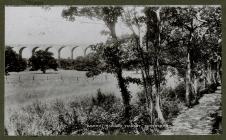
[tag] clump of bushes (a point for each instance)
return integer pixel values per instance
(106, 101)
(172, 102)
(72, 118)
(13, 61)
(101, 114)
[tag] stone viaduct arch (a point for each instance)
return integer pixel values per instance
(33, 50)
(59, 51)
(85, 50)
(21, 51)
(47, 49)
(72, 52)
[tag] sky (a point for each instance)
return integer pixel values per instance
(36, 26)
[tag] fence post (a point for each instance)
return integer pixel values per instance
(47, 77)
(33, 78)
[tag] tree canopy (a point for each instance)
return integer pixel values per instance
(13, 61)
(43, 60)
(185, 38)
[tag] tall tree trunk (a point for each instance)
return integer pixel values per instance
(158, 109)
(188, 81)
(147, 82)
(121, 81)
(208, 74)
(195, 88)
(145, 69)
(153, 35)
(188, 76)
(125, 94)
(219, 72)
(157, 86)
(157, 71)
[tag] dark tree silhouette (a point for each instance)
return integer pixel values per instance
(112, 53)
(43, 60)
(13, 61)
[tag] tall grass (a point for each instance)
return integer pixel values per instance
(97, 115)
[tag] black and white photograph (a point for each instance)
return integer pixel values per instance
(75, 70)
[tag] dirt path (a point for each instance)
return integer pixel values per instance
(198, 120)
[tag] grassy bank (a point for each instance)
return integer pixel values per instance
(99, 115)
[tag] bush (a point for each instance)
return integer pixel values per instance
(141, 98)
(80, 117)
(43, 60)
(171, 108)
(14, 62)
(172, 102)
(180, 91)
(106, 101)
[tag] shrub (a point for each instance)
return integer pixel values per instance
(141, 98)
(106, 101)
(172, 102)
(43, 60)
(171, 108)
(13, 61)
(180, 91)
(73, 117)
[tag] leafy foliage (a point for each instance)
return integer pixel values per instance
(43, 60)
(13, 62)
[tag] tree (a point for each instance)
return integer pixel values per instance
(43, 60)
(195, 25)
(212, 44)
(13, 61)
(81, 63)
(192, 44)
(153, 38)
(147, 47)
(161, 37)
(112, 53)
(136, 24)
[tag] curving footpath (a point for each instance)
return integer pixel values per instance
(198, 120)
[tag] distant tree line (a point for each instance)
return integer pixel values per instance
(41, 60)
(81, 63)
(84, 63)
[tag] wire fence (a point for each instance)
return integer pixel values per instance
(34, 77)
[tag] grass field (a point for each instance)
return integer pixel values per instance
(27, 91)
(24, 87)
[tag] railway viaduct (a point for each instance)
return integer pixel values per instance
(59, 50)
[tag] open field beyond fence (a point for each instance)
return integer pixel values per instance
(24, 87)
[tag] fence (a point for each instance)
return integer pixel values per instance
(35, 77)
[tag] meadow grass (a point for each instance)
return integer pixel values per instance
(68, 103)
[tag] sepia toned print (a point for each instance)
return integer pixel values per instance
(112, 70)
